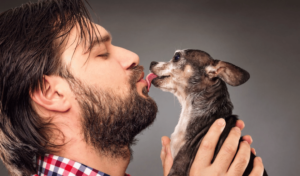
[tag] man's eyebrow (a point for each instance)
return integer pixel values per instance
(98, 40)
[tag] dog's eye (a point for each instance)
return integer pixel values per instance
(176, 57)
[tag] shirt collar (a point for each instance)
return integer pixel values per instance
(52, 165)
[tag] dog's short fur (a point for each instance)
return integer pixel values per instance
(199, 83)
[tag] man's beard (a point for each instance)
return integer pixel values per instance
(110, 123)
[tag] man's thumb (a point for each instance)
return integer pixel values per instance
(165, 155)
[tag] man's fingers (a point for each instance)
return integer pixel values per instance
(165, 155)
(240, 124)
(241, 160)
(253, 151)
(248, 139)
(228, 150)
(258, 167)
(207, 147)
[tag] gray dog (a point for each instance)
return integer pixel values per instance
(199, 83)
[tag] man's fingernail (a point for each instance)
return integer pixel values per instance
(246, 142)
(162, 142)
(237, 129)
(221, 122)
(253, 150)
(259, 159)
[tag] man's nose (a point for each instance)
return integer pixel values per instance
(126, 58)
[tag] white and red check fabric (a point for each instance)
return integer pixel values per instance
(52, 165)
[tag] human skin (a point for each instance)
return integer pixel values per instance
(222, 165)
(110, 71)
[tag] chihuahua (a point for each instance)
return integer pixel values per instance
(199, 83)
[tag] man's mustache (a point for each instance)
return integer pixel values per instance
(136, 74)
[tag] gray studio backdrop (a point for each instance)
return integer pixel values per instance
(260, 36)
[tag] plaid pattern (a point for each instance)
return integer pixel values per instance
(51, 165)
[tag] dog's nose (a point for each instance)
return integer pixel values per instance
(153, 63)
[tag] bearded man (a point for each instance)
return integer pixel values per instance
(72, 103)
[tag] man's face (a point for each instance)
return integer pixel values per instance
(112, 97)
(106, 66)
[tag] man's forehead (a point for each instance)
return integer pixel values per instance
(80, 43)
(76, 34)
(102, 32)
(101, 36)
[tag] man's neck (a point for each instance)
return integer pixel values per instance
(80, 151)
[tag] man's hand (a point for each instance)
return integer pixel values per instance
(221, 166)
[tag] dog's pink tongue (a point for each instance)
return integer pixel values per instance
(149, 79)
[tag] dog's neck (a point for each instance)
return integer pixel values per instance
(208, 102)
(211, 103)
(205, 105)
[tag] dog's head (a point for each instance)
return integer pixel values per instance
(194, 70)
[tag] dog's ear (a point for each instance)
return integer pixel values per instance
(228, 72)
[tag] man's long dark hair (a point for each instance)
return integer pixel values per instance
(31, 41)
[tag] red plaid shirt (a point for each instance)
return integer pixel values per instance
(51, 165)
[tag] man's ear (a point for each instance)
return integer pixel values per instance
(53, 96)
(228, 72)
